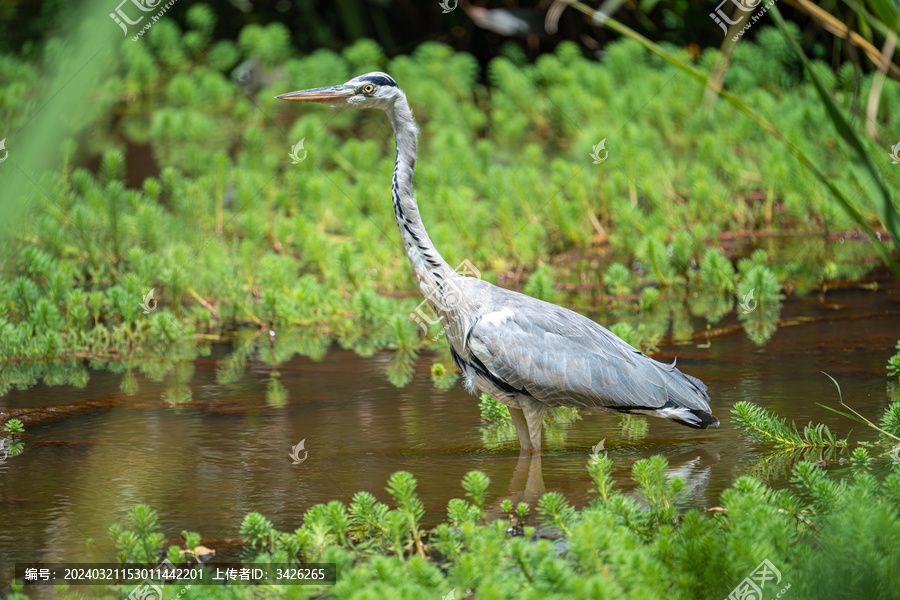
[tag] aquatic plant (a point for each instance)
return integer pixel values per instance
(499, 430)
(762, 323)
(626, 332)
(763, 426)
(822, 533)
(11, 445)
(540, 285)
(217, 241)
(616, 279)
(890, 432)
(258, 532)
(442, 377)
(649, 299)
(402, 487)
(13, 426)
(860, 153)
(716, 271)
(491, 410)
(138, 540)
(894, 362)
(890, 422)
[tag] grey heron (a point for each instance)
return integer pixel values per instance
(524, 352)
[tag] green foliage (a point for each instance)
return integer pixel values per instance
(660, 491)
(616, 279)
(476, 483)
(891, 420)
(764, 426)
(191, 539)
(859, 154)
(633, 427)
(823, 533)
(366, 516)
(652, 252)
(716, 271)
(761, 279)
(402, 487)
(138, 540)
(894, 362)
(491, 410)
(540, 285)
(555, 511)
(258, 532)
(229, 234)
(626, 332)
(12, 445)
(14, 426)
(649, 299)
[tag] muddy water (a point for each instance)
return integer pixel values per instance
(205, 463)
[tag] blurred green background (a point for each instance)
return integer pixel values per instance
(160, 163)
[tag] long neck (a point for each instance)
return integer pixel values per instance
(431, 270)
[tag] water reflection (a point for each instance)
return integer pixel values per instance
(694, 466)
(761, 323)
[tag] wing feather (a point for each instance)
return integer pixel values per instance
(563, 358)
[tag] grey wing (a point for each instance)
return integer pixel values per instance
(563, 358)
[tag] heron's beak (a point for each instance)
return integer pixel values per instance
(334, 95)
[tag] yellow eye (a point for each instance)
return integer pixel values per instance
(369, 88)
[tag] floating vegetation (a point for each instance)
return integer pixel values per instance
(108, 266)
(894, 363)
(10, 444)
(763, 426)
(816, 443)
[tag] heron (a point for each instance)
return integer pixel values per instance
(529, 354)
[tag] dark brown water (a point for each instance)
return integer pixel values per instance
(205, 463)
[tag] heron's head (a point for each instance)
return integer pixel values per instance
(372, 90)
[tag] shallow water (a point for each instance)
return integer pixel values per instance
(205, 463)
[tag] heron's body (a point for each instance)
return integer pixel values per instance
(527, 353)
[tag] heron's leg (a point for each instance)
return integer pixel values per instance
(518, 419)
(534, 417)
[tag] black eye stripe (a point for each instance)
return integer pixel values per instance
(380, 80)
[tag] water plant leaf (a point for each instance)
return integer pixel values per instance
(858, 153)
(856, 416)
(770, 128)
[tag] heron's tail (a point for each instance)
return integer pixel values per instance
(687, 403)
(689, 417)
